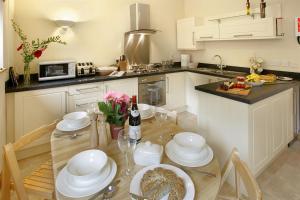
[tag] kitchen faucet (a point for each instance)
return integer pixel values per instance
(221, 66)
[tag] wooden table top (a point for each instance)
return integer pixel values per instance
(64, 148)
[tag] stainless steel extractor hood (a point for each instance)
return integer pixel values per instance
(140, 19)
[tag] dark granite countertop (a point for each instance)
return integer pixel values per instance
(36, 85)
(257, 93)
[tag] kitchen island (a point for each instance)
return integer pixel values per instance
(259, 125)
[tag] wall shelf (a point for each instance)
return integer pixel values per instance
(252, 15)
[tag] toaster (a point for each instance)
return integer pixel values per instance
(85, 69)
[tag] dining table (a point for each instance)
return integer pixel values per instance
(65, 147)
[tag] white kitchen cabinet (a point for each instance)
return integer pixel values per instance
(261, 126)
(34, 109)
(175, 90)
(186, 34)
(248, 29)
(207, 32)
(260, 131)
(127, 86)
(81, 97)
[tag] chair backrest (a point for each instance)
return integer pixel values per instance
(241, 173)
(10, 164)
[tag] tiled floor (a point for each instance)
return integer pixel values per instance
(281, 181)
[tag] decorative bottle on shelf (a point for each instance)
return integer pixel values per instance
(135, 121)
(248, 7)
(263, 6)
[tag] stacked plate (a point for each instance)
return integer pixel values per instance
(189, 149)
(146, 111)
(74, 121)
(86, 174)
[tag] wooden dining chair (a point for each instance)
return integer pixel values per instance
(39, 183)
(241, 173)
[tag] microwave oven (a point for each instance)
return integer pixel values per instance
(55, 70)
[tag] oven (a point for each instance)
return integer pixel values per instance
(152, 90)
(54, 70)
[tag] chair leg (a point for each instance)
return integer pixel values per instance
(5, 182)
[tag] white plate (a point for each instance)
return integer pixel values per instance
(188, 183)
(283, 78)
(187, 163)
(67, 127)
(66, 190)
(256, 84)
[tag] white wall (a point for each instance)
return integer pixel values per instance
(237, 53)
(99, 34)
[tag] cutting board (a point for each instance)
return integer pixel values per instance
(236, 91)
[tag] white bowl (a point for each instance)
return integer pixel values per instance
(76, 119)
(191, 156)
(87, 165)
(189, 142)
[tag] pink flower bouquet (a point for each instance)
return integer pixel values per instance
(115, 107)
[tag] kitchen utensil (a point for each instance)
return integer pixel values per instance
(64, 126)
(198, 171)
(188, 183)
(63, 186)
(107, 192)
(185, 60)
(171, 153)
(147, 154)
(87, 165)
(138, 197)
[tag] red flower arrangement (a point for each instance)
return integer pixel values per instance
(33, 49)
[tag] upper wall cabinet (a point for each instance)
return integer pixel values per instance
(239, 26)
(249, 29)
(186, 34)
(207, 32)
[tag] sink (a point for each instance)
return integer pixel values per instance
(224, 72)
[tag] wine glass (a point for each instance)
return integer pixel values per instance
(161, 115)
(127, 147)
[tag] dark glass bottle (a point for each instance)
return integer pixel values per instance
(134, 121)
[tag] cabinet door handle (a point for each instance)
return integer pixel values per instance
(84, 89)
(193, 38)
(206, 37)
(243, 35)
(168, 85)
(84, 104)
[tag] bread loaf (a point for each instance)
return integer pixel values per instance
(158, 182)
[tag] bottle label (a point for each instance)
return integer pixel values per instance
(135, 132)
(135, 113)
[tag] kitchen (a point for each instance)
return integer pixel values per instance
(188, 35)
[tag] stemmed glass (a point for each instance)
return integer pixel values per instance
(127, 147)
(161, 116)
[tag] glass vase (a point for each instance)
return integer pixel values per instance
(27, 74)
